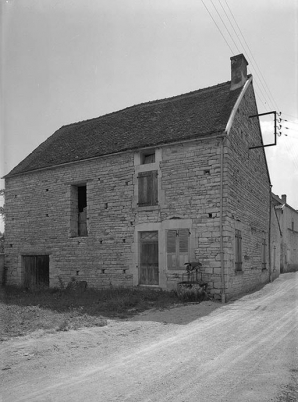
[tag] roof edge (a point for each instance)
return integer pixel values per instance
(234, 110)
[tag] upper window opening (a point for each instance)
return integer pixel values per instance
(78, 218)
(147, 157)
(82, 211)
(82, 198)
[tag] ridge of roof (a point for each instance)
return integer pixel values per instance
(196, 113)
(148, 103)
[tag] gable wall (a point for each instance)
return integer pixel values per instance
(247, 203)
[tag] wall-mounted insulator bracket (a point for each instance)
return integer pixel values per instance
(275, 132)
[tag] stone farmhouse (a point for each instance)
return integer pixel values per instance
(288, 223)
(126, 199)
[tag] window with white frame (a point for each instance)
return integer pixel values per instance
(177, 247)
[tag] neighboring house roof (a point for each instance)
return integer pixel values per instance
(280, 203)
(192, 115)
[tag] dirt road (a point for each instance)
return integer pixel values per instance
(246, 350)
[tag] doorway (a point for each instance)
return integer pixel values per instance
(36, 271)
(149, 271)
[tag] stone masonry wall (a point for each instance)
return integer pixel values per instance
(38, 206)
(38, 222)
(247, 206)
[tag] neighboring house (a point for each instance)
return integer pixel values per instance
(128, 198)
(288, 222)
(275, 241)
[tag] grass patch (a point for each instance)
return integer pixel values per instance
(23, 311)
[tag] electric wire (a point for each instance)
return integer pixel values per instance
(266, 85)
(225, 27)
(217, 27)
(266, 93)
(263, 101)
(243, 46)
(260, 93)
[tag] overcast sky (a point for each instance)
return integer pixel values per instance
(64, 61)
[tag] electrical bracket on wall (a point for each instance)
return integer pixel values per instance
(275, 133)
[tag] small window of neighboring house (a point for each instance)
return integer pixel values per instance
(177, 248)
(238, 250)
(263, 253)
(293, 225)
(148, 188)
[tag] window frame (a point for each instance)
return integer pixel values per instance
(179, 256)
(78, 210)
(147, 188)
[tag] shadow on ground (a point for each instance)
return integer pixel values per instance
(180, 315)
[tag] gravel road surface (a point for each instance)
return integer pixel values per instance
(246, 350)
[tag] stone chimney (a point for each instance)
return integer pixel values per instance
(238, 71)
(284, 198)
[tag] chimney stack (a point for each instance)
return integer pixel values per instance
(284, 198)
(238, 71)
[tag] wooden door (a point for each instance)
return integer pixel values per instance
(149, 272)
(36, 269)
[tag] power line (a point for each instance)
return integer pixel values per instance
(264, 96)
(225, 27)
(266, 85)
(217, 27)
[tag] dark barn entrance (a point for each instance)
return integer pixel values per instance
(36, 271)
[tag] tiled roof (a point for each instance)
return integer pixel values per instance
(187, 116)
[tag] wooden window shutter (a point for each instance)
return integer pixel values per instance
(171, 249)
(183, 256)
(148, 188)
(238, 250)
(263, 253)
(154, 188)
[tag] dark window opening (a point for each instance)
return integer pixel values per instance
(82, 211)
(147, 157)
(82, 198)
(78, 205)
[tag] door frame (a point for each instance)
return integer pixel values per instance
(139, 258)
(161, 228)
